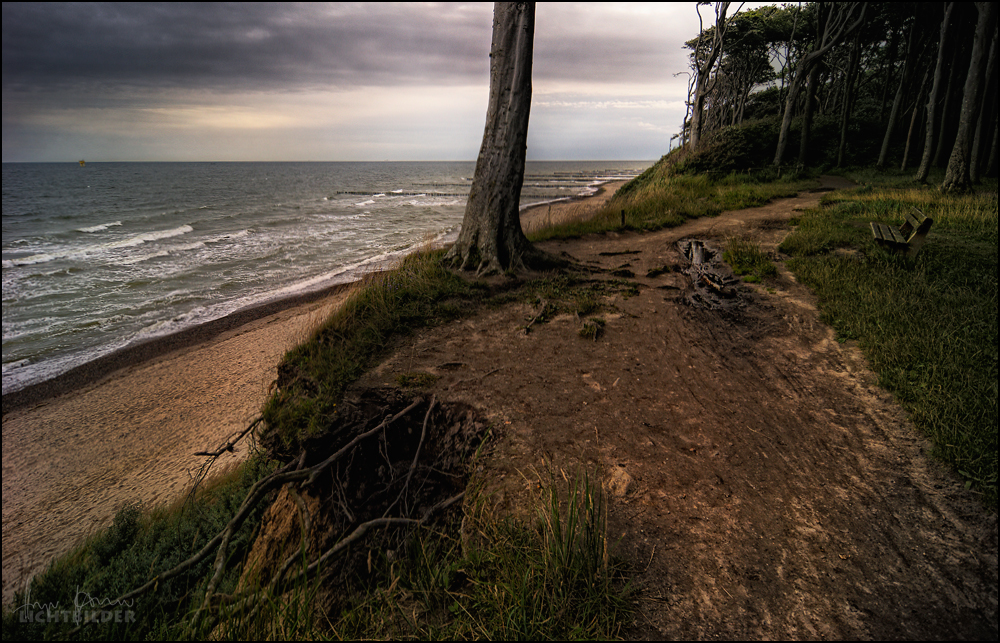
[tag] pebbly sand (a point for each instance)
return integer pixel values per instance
(125, 428)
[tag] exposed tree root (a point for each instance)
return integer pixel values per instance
(305, 477)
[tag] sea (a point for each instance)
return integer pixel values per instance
(101, 256)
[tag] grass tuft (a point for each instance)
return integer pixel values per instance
(744, 255)
(504, 579)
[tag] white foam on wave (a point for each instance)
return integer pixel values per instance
(153, 255)
(73, 253)
(99, 228)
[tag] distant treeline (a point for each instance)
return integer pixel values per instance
(906, 84)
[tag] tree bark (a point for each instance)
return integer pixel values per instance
(491, 240)
(932, 100)
(897, 101)
(956, 176)
(982, 122)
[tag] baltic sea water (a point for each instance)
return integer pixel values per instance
(102, 256)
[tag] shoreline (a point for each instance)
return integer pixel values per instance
(93, 372)
(124, 428)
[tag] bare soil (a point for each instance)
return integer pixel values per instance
(761, 484)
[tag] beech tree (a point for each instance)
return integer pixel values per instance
(834, 25)
(704, 57)
(491, 239)
(956, 178)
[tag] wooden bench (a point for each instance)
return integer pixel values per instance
(908, 237)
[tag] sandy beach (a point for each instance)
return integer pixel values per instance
(70, 461)
(126, 428)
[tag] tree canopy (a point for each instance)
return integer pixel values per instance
(887, 84)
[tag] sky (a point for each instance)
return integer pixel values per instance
(332, 82)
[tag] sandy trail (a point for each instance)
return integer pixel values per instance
(762, 485)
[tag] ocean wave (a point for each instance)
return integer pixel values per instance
(99, 228)
(73, 253)
(153, 255)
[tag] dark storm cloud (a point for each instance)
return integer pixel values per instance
(238, 47)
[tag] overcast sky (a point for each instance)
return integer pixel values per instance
(331, 82)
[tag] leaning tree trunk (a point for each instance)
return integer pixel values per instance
(807, 115)
(956, 176)
(932, 100)
(491, 240)
(898, 100)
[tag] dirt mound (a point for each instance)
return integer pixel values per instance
(416, 462)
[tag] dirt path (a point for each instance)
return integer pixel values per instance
(762, 485)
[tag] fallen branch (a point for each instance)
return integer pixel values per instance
(232, 443)
(214, 455)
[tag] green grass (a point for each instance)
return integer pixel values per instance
(929, 325)
(746, 258)
(661, 197)
(551, 578)
(135, 548)
(592, 329)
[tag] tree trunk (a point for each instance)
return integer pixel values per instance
(491, 240)
(913, 120)
(932, 100)
(944, 135)
(898, 100)
(845, 116)
(956, 176)
(984, 114)
(786, 118)
(808, 114)
(991, 165)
